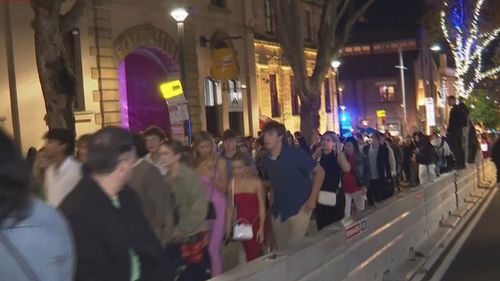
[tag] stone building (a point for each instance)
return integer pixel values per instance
(124, 50)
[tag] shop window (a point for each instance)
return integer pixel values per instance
(387, 93)
(328, 97)
(213, 92)
(295, 97)
(269, 15)
(73, 46)
(273, 90)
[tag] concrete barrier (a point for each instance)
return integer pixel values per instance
(379, 241)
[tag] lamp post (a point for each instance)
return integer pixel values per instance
(180, 16)
(336, 64)
(402, 69)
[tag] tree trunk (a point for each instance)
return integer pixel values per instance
(310, 120)
(56, 76)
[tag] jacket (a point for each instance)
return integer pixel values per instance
(457, 118)
(191, 201)
(104, 235)
(156, 197)
(359, 170)
(44, 239)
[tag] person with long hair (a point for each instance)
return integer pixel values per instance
(246, 203)
(82, 148)
(212, 171)
(25, 222)
(188, 247)
(330, 212)
(353, 178)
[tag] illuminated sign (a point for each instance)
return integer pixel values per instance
(171, 89)
(380, 113)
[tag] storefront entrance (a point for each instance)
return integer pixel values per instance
(140, 75)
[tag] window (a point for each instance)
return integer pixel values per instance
(269, 15)
(72, 41)
(308, 26)
(275, 104)
(218, 3)
(328, 96)
(387, 93)
(213, 92)
(295, 97)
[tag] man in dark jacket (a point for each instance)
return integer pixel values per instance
(455, 125)
(112, 237)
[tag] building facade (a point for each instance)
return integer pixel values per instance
(124, 50)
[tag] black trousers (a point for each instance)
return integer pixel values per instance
(455, 141)
(379, 190)
(326, 215)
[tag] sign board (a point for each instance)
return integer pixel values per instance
(171, 89)
(178, 112)
(380, 113)
(235, 101)
(224, 64)
(177, 132)
(429, 112)
(355, 229)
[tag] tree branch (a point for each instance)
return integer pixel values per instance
(70, 20)
(349, 25)
(488, 73)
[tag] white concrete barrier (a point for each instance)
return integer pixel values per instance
(372, 247)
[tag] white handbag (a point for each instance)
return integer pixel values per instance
(327, 198)
(242, 229)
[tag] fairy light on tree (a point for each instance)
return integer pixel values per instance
(461, 29)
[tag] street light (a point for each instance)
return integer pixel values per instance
(336, 64)
(180, 16)
(435, 47)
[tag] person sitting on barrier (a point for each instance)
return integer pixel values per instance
(353, 178)
(426, 158)
(246, 204)
(444, 155)
(379, 158)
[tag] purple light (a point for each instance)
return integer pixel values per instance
(122, 76)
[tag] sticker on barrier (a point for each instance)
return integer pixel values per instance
(355, 229)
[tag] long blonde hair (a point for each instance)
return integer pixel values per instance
(197, 140)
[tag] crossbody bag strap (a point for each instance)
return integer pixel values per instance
(18, 257)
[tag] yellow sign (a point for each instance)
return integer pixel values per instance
(171, 89)
(380, 113)
(224, 64)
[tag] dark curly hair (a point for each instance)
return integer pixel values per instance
(14, 180)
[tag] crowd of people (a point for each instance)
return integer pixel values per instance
(131, 206)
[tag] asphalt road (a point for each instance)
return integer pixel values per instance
(479, 258)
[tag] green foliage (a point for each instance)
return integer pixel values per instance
(483, 109)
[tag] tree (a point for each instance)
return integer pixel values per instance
(470, 29)
(337, 20)
(483, 109)
(54, 68)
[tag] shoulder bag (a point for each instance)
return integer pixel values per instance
(14, 252)
(242, 228)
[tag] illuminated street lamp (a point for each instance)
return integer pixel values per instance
(180, 16)
(435, 48)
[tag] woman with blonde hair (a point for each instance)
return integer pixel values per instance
(212, 171)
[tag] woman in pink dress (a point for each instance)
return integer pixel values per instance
(212, 171)
(246, 198)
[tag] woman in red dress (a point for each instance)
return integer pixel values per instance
(247, 202)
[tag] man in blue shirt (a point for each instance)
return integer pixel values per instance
(295, 193)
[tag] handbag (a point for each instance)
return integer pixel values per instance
(327, 198)
(19, 258)
(242, 228)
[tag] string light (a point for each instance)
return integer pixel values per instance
(467, 45)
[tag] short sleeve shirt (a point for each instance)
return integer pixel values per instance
(290, 178)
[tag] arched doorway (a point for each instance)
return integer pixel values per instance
(145, 57)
